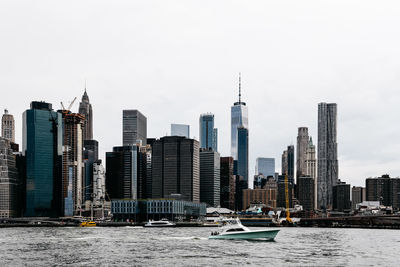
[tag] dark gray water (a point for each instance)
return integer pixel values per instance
(129, 246)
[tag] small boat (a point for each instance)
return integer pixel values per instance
(232, 228)
(160, 223)
(87, 224)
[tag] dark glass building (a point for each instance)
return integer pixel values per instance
(243, 153)
(176, 168)
(341, 197)
(207, 133)
(134, 127)
(228, 183)
(210, 177)
(384, 189)
(305, 187)
(42, 146)
(126, 173)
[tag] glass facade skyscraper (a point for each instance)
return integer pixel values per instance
(42, 146)
(207, 131)
(180, 130)
(243, 153)
(134, 127)
(327, 166)
(265, 166)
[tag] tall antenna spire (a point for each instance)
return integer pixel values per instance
(240, 90)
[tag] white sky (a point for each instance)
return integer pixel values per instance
(174, 60)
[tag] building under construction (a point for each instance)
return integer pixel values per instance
(72, 175)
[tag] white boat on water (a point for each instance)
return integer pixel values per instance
(160, 223)
(232, 228)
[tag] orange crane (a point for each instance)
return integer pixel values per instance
(288, 219)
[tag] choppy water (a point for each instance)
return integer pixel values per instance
(129, 246)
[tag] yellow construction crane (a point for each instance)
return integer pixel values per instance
(288, 219)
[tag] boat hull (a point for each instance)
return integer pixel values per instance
(261, 234)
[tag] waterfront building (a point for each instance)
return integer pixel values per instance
(9, 181)
(305, 187)
(341, 197)
(180, 130)
(327, 154)
(176, 168)
(85, 108)
(228, 186)
(156, 209)
(358, 195)
(302, 145)
(99, 182)
(126, 172)
(42, 146)
(265, 166)
(149, 176)
(384, 189)
(311, 168)
(72, 167)
(8, 126)
(134, 127)
(239, 119)
(210, 185)
(207, 132)
(259, 196)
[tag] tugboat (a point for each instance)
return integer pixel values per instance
(232, 228)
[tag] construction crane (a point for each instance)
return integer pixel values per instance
(288, 219)
(70, 105)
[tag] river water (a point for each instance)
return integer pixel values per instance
(128, 246)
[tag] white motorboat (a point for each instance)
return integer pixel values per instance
(160, 223)
(232, 228)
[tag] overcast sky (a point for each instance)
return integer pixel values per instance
(174, 60)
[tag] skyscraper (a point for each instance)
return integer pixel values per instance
(9, 181)
(126, 172)
(311, 168)
(210, 177)
(180, 130)
(228, 183)
(8, 126)
(176, 168)
(72, 162)
(288, 163)
(134, 127)
(243, 153)
(302, 144)
(327, 154)
(85, 108)
(215, 139)
(42, 146)
(265, 166)
(239, 119)
(207, 131)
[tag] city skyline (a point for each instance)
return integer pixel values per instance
(357, 76)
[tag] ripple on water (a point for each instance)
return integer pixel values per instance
(190, 246)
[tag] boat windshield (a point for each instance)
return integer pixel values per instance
(235, 230)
